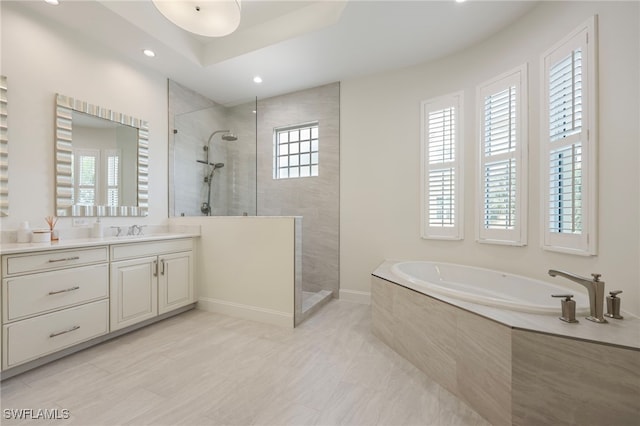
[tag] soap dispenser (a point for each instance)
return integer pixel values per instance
(613, 305)
(568, 307)
(97, 231)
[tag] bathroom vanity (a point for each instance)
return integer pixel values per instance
(60, 298)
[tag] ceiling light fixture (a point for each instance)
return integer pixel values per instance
(257, 79)
(460, 1)
(211, 18)
(148, 52)
(53, 2)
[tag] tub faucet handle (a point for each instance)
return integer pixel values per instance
(566, 296)
(613, 305)
(568, 308)
(596, 277)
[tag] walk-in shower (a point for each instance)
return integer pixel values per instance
(246, 186)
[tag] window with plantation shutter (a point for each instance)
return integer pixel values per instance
(502, 195)
(569, 149)
(441, 180)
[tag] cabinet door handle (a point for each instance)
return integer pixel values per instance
(74, 328)
(162, 272)
(64, 259)
(155, 268)
(64, 291)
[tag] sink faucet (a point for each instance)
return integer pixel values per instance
(135, 230)
(595, 288)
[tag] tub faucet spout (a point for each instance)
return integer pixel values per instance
(595, 289)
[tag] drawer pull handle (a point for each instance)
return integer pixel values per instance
(74, 328)
(64, 259)
(64, 291)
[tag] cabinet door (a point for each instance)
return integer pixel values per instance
(134, 291)
(175, 281)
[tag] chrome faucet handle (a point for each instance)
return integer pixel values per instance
(613, 305)
(596, 277)
(566, 296)
(568, 308)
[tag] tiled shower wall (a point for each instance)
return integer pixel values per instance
(195, 118)
(314, 198)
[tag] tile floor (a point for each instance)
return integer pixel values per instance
(201, 368)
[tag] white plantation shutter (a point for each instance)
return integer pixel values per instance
(568, 162)
(86, 166)
(113, 177)
(441, 168)
(502, 154)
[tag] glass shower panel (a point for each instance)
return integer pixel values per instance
(214, 162)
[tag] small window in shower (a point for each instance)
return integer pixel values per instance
(295, 151)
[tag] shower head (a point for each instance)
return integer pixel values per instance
(227, 136)
(218, 166)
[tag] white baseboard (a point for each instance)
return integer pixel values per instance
(248, 312)
(363, 297)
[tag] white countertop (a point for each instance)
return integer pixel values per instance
(70, 243)
(624, 333)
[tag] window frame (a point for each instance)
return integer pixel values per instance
(276, 151)
(517, 236)
(456, 231)
(585, 242)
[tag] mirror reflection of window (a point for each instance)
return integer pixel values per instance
(104, 162)
(96, 177)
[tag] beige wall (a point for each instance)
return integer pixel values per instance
(380, 153)
(41, 59)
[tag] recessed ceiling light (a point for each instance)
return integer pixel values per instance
(148, 52)
(53, 2)
(460, 1)
(257, 79)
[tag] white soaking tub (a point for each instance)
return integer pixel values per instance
(486, 287)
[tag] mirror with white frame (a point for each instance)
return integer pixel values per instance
(4, 149)
(102, 161)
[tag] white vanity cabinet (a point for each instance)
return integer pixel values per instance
(51, 300)
(150, 279)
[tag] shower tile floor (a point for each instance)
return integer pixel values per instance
(311, 299)
(201, 368)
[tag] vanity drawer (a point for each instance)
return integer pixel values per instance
(133, 250)
(53, 259)
(35, 337)
(27, 295)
